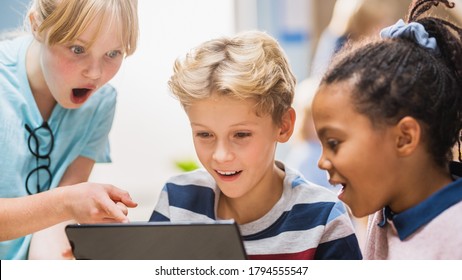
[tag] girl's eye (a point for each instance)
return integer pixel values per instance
(77, 49)
(243, 134)
(332, 143)
(114, 54)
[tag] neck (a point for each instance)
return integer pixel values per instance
(42, 95)
(419, 184)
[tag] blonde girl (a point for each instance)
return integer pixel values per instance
(57, 111)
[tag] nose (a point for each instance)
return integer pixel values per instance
(222, 152)
(324, 163)
(93, 70)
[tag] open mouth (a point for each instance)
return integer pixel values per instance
(336, 183)
(228, 173)
(79, 95)
(342, 190)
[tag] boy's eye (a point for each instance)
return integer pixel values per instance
(203, 134)
(77, 49)
(114, 54)
(243, 134)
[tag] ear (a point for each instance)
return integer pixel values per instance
(34, 27)
(287, 126)
(408, 136)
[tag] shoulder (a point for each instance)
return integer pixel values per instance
(447, 223)
(104, 99)
(195, 185)
(308, 199)
(199, 177)
(193, 191)
(11, 48)
(106, 94)
(304, 188)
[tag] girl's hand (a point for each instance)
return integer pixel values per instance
(122, 208)
(67, 254)
(93, 203)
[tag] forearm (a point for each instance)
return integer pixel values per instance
(50, 243)
(25, 215)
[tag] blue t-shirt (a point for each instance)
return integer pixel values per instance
(77, 132)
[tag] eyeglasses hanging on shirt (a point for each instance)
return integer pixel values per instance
(40, 142)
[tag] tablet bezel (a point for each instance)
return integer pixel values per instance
(156, 241)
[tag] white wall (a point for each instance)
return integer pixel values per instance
(150, 128)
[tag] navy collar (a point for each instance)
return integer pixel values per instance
(410, 220)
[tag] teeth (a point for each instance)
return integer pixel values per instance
(227, 173)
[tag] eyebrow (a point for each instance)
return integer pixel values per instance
(246, 123)
(79, 40)
(237, 124)
(87, 43)
(321, 133)
(324, 130)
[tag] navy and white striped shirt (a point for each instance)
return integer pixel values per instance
(308, 221)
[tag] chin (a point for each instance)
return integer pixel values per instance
(231, 193)
(359, 213)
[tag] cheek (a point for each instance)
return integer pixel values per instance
(58, 69)
(355, 161)
(111, 70)
(258, 152)
(56, 63)
(367, 166)
(202, 151)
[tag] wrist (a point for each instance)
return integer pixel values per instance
(62, 203)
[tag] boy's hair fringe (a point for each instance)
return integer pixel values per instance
(250, 65)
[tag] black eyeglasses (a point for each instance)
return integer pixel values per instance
(42, 152)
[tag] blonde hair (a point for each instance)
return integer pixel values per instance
(66, 20)
(250, 65)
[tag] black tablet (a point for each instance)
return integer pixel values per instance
(157, 241)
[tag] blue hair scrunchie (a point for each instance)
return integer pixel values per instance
(414, 31)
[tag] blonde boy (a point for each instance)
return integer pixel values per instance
(237, 93)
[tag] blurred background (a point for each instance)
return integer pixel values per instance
(150, 138)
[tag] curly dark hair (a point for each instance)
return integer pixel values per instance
(396, 77)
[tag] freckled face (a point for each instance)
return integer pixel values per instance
(235, 145)
(356, 155)
(73, 72)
